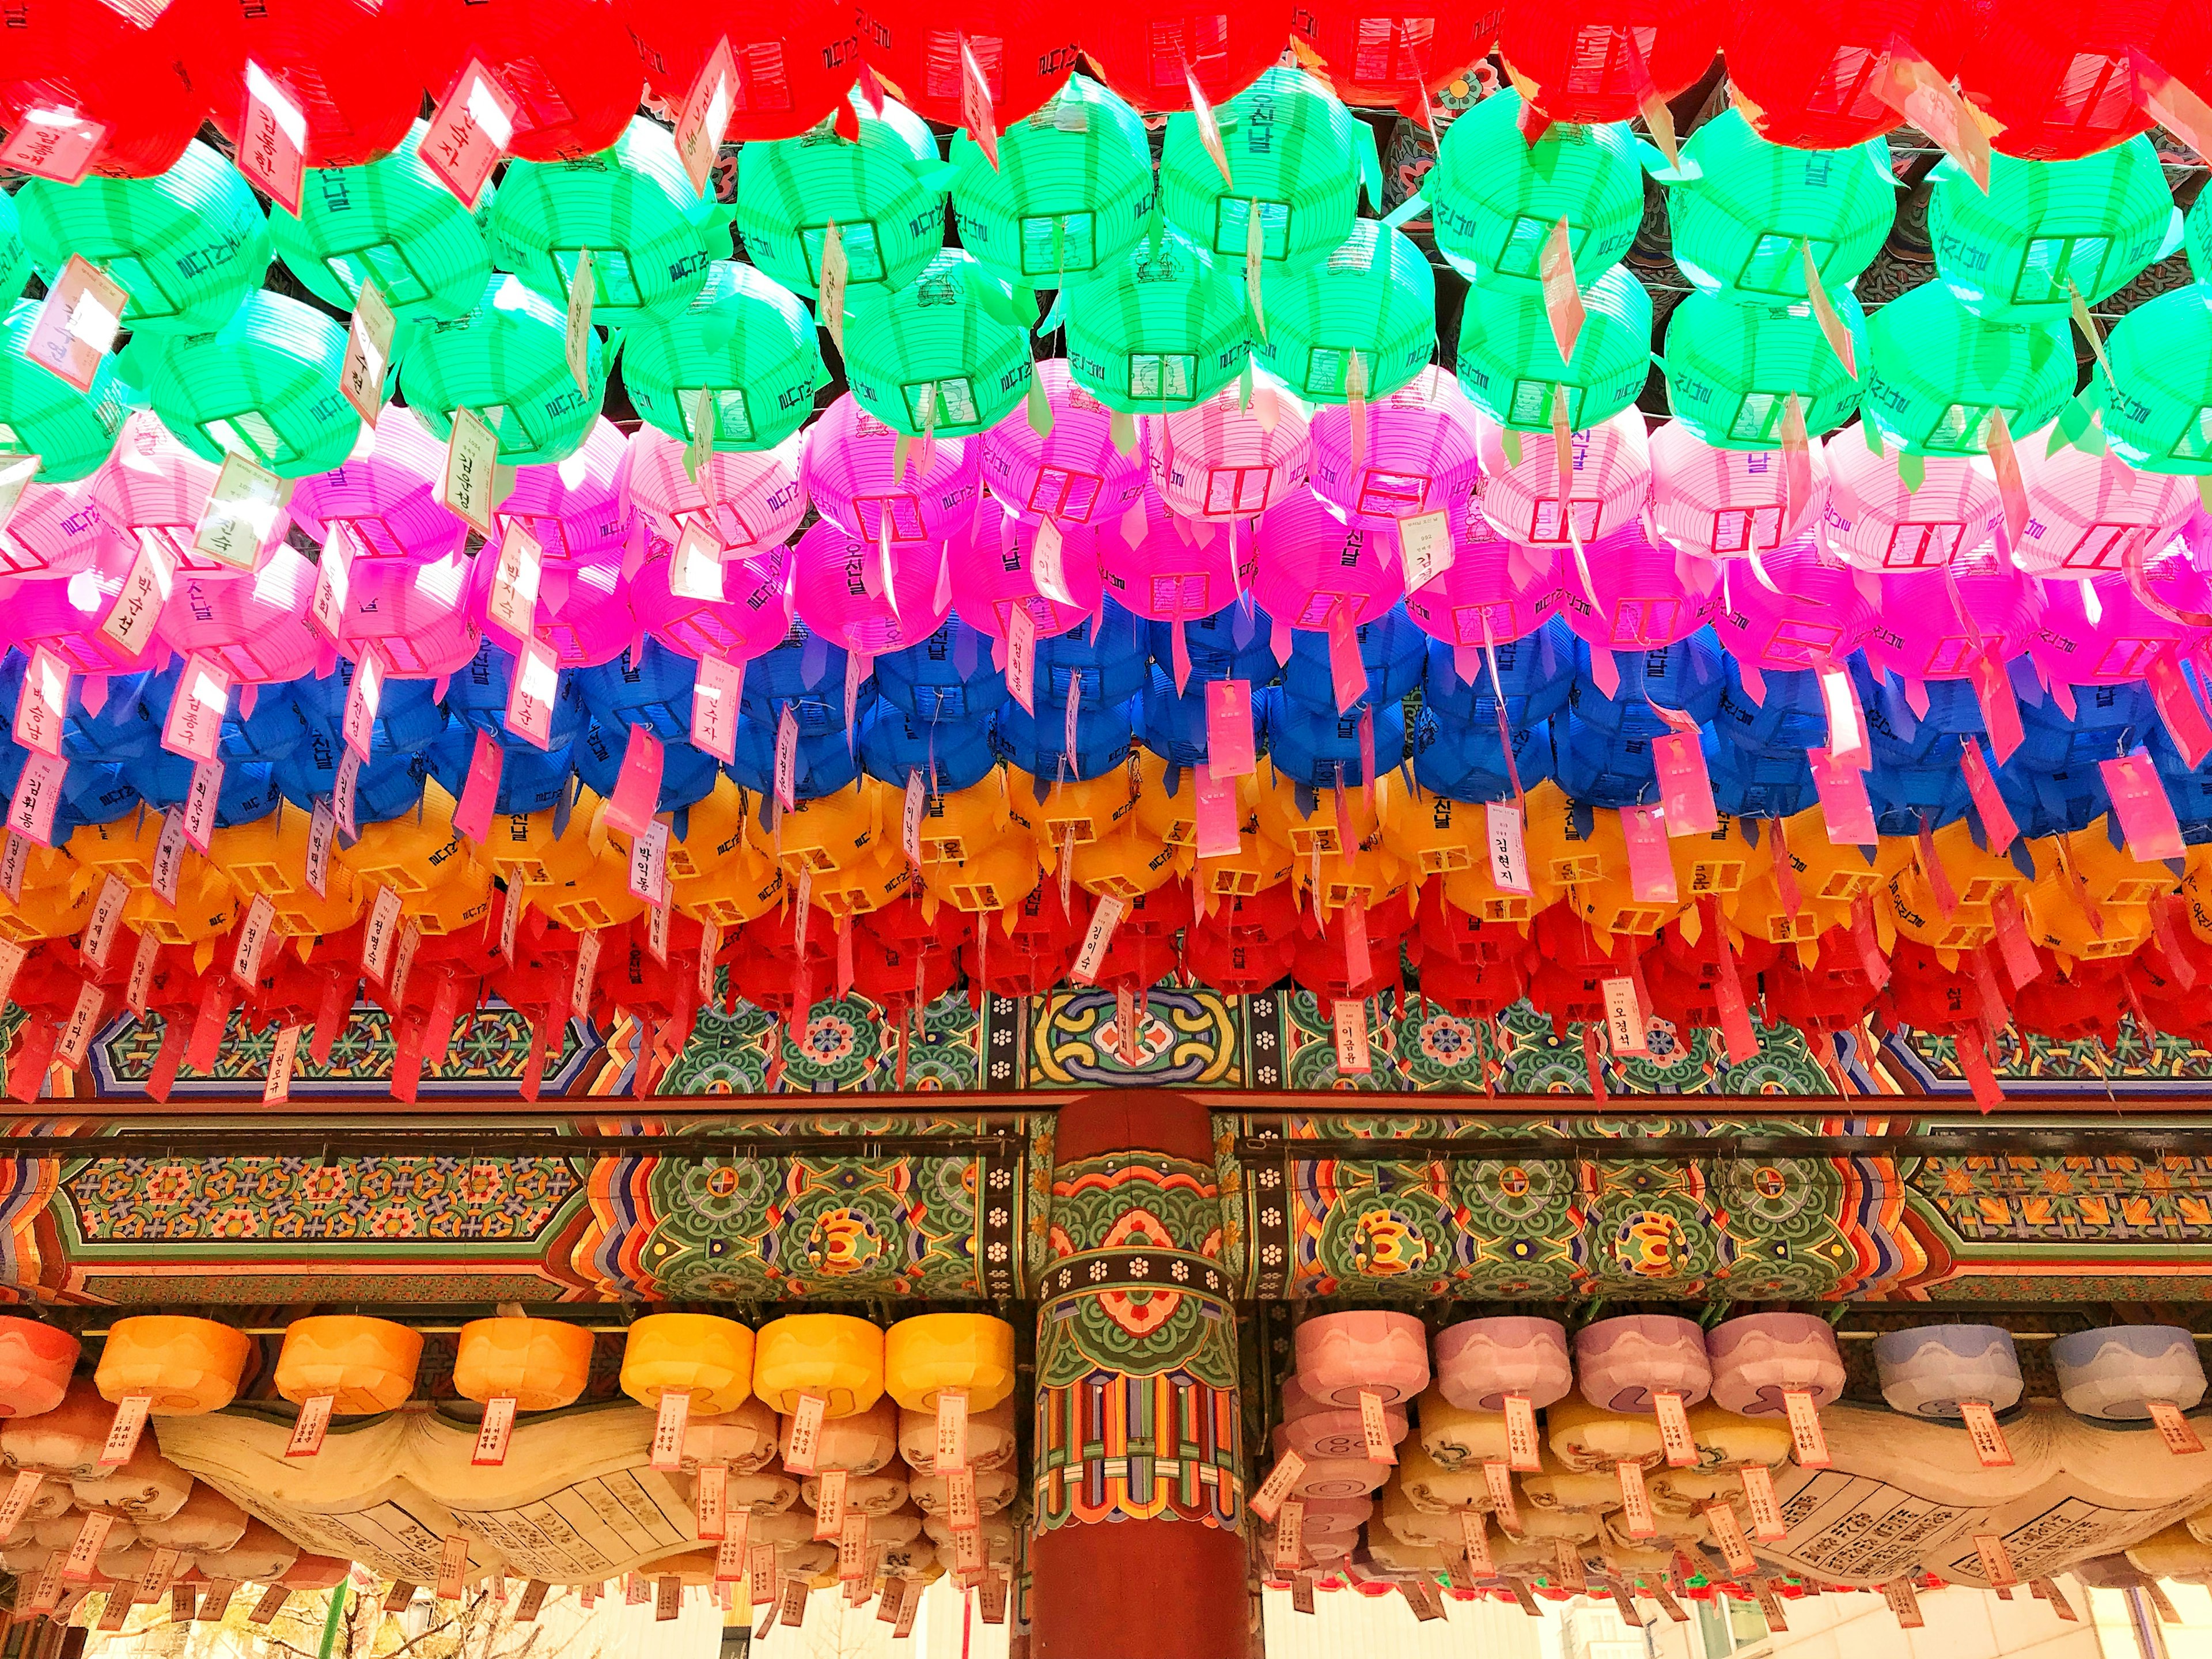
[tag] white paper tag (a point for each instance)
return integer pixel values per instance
(1425, 544)
(494, 1432)
(1096, 939)
(130, 620)
(1353, 1058)
(368, 352)
(716, 695)
(141, 984)
(253, 939)
(106, 921)
(381, 934)
(169, 855)
(240, 516)
(202, 797)
(43, 709)
(130, 1422)
(1509, 856)
(511, 606)
(313, 1424)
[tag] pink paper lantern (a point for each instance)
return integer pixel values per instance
(54, 527)
(583, 611)
(850, 466)
(993, 565)
(414, 614)
(1071, 473)
(574, 507)
(838, 590)
(753, 615)
(64, 613)
(1726, 503)
(1421, 452)
(1511, 589)
(152, 485)
(2087, 513)
(1339, 1432)
(1874, 523)
(255, 627)
(750, 500)
(1175, 567)
(1610, 482)
(1809, 611)
(1633, 593)
(385, 497)
(1757, 1359)
(2097, 631)
(1621, 1363)
(1480, 1362)
(1221, 463)
(1318, 567)
(1342, 1355)
(1922, 632)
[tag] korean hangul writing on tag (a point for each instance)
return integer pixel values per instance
(1522, 1449)
(1806, 1439)
(368, 353)
(577, 337)
(588, 945)
(1021, 658)
(1290, 1536)
(716, 696)
(123, 1432)
(272, 140)
(787, 759)
(313, 1425)
(2173, 1428)
(1674, 1439)
(1997, 1560)
(1500, 1480)
(1727, 1532)
(76, 325)
(17, 1503)
(517, 574)
(1987, 1436)
(1650, 871)
(42, 709)
(1354, 1057)
(704, 119)
(1904, 1602)
(84, 1557)
(806, 1444)
(951, 1445)
(1425, 542)
(100, 932)
(14, 858)
(1267, 1502)
(1230, 744)
(130, 620)
(472, 471)
(202, 796)
(495, 1433)
(1636, 1499)
(1096, 939)
(140, 985)
(1509, 856)
(1758, 1498)
(453, 1563)
(241, 512)
(54, 142)
(1686, 790)
(468, 131)
(253, 938)
(381, 934)
(1627, 1028)
(532, 693)
(83, 1021)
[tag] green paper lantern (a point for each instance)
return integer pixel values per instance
(14, 258)
(1164, 332)
(1510, 365)
(187, 245)
(2158, 411)
(392, 223)
(1495, 198)
(1070, 193)
(1934, 370)
(1741, 224)
(41, 414)
(1294, 149)
(1375, 296)
(748, 340)
(264, 385)
(884, 192)
(1731, 369)
(949, 353)
(2096, 222)
(652, 236)
(2197, 235)
(508, 359)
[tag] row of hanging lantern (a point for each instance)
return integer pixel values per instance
(1658, 1441)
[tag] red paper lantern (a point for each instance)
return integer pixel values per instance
(1456, 936)
(1684, 979)
(899, 978)
(1270, 912)
(116, 68)
(2059, 77)
(2173, 1004)
(1237, 964)
(2088, 1001)
(793, 63)
(1832, 995)
(349, 67)
(1567, 972)
(571, 67)
(1585, 64)
(1224, 44)
(1322, 964)
(1379, 53)
(1473, 990)
(1812, 71)
(36, 1363)
(1024, 50)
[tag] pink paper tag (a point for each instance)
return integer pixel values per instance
(976, 112)
(472, 817)
(637, 795)
(1685, 792)
(786, 761)
(1844, 802)
(2178, 707)
(43, 706)
(1216, 814)
(269, 144)
(1847, 735)
(342, 787)
(1345, 668)
(58, 145)
(201, 798)
(2146, 815)
(469, 132)
(1229, 740)
(1650, 871)
(530, 697)
(364, 698)
(1021, 659)
(194, 727)
(1997, 824)
(715, 697)
(38, 793)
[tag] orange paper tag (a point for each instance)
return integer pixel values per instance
(1766, 1514)
(1569, 1555)
(1521, 1447)
(216, 1601)
(1289, 1470)
(2179, 1434)
(1375, 1428)
(1636, 1499)
(533, 1598)
(806, 1430)
(1674, 1430)
(1770, 1604)
(452, 1567)
(1290, 1534)
(160, 1571)
(667, 1598)
(1806, 1439)
(123, 1433)
(2049, 1591)
(1988, 1435)
(1474, 1539)
(20, 1492)
(314, 1423)
(1500, 1482)
(668, 1425)
(498, 1428)
(1904, 1602)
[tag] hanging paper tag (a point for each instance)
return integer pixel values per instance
(1290, 1536)
(1758, 1498)
(1847, 734)
(1230, 743)
(1425, 544)
(1475, 1543)
(1686, 790)
(1996, 818)
(577, 338)
(1625, 1027)
(43, 707)
(1290, 1469)
(648, 864)
(511, 606)
(1347, 671)
(84, 1552)
(313, 1424)
(453, 1562)
(636, 793)
(1650, 871)
(368, 353)
(1569, 1555)
(787, 759)
(791, 1607)
(1997, 1560)
(836, 273)
(381, 934)
(716, 695)
(1521, 1445)
(168, 854)
(2140, 802)
(364, 698)
(1987, 1434)
(194, 727)
(201, 798)
(76, 325)
(951, 1451)
(1674, 1430)
(1728, 1532)
(472, 464)
(587, 974)
(715, 1523)
(2178, 1433)
(1255, 249)
(20, 1491)
(1805, 1437)
(1100, 935)
(1904, 1603)
(1924, 96)
(2000, 706)
(1509, 857)
(54, 143)
(322, 827)
(46, 1594)
(1824, 312)
(1209, 126)
(1021, 658)
(853, 1549)
(1302, 1593)
(805, 1434)
(533, 692)
(141, 983)
(252, 939)
(1500, 1480)
(2184, 720)
(1375, 1425)
(705, 118)
(469, 132)
(326, 611)
(241, 512)
(960, 1500)
(829, 1503)
(283, 1058)
(123, 1432)
(695, 569)
(1563, 300)
(1069, 722)
(130, 620)
(472, 814)
(15, 856)
(533, 1599)
(1636, 1499)
(976, 112)
(38, 794)
(83, 1021)
(1216, 815)
(106, 923)
(492, 1438)
(666, 1452)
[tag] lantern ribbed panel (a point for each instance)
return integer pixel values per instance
(1874, 523)
(1071, 472)
(1808, 74)
(889, 222)
(1221, 461)
(1581, 64)
(43, 415)
(1375, 296)
(1730, 369)
(2158, 411)
(2055, 77)
(509, 354)
(261, 386)
(1496, 196)
(1741, 225)
(746, 338)
(1935, 371)
(1292, 148)
(1726, 503)
(932, 356)
(1069, 195)
(2086, 513)
(1509, 362)
(1418, 456)
(1166, 331)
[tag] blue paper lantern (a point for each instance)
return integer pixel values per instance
(824, 763)
(2054, 802)
(806, 673)
(2108, 721)
(127, 727)
(1037, 744)
(1749, 783)
(654, 692)
(1173, 726)
(477, 695)
(1905, 796)
(1899, 735)
(1686, 676)
(389, 785)
(1536, 675)
(1391, 648)
(249, 792)
(1788, 718)
(948, 676)
(409, 716)
(1465, 760)
(2190, 791)
(950, 754)
(1111, 668)
(1233, 644)
(1319, 748)
(1598, 768)
(531, 779)
(687, 775)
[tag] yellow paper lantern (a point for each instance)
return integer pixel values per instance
(598, 896)
(1733, 1440)
(836, 831)
(1173, 818)
(2175, 1553)
(836, 1358)
(930, 1352)
(1558, 1485)
(1126, 864)
(1317, 832)
(714, 830)
(364, 1364)
(1757, 909)
(748, 884)
(1714, 861)
(1587, 849)
(1371, 875)
(1457, 1437)
(2110, 874)
(956, 826)
(521, 847)
(410, 853)
(869, 882)
(706, 1357)
(206, 907)
(1426, 1521)
(187, 1367)
(1436, 835)
(125, 847)
(2067, 914)
(1976, 877)
(268, 858)
(1583, 1437)
(539, 1363)
(1426, 1484)
(1839, 875)
(461, 901)
(1257, 865)
(1072, 813)
(991, 880)
(52, 908)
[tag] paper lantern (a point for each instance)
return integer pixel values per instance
(880, 189)
(1417, 452)
(1338, 1434)
(1935, 371)
(344, 66)
(1382, 57)
(1810, 78)
(1071, 473)
(946, 353)
(155, 487)
(1757, 1358)
(2046, 227)
(1220, 462)
(65, 1440)
(2096, 631)
(1068, 195)
(833, 1357)
(1480, 1362)
(1037, 744)
(1875, 522)
(2056, 79)
(927, 1354)
(1728, 503)
(1342, 1355)
(1731, 366)
(1319, 570)
(1639, 594)
(506, 353)
(2089, 514)
(706, 1359)
(570, 64)
(146, 1487)
(2115, 1373)
(793, 63)
(1151, 55)
(750, 501)
(1594, 1438)
(1928, 1370)
(35, 1363)
(260, 385)
(1813, 614)
(1293, 149)
(1320, 747)
(1923, 632)
(1498, 198)
(1164, 327)
(652, 236)
(187, 246)
(1741, 225)
(363, 1365)
(851, 471)
(116, 68)
(1603, 65)
(1621, 1363)
(539, 1363)
(947, 752)
(2156, 413)
(391, 221)
(1509, 362)
(70, 431)
(746, 341)
(1392, 652)
(260, 1555)
(948, 676)
(1373, 296)
(186, 1367)
(831, 581)
(254, 626)
(386, 499)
